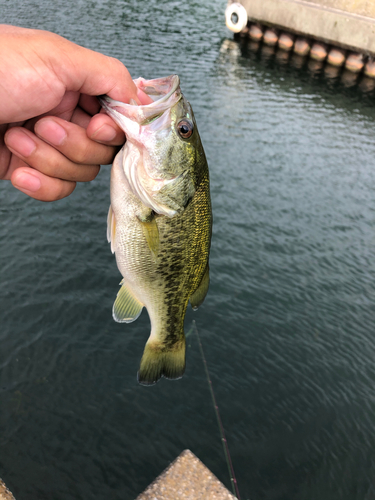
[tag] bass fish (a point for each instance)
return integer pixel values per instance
(159, 221)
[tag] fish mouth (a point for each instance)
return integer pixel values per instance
(143, 125)
(165, 93)
(159, 89)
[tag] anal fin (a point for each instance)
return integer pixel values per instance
(126, 308)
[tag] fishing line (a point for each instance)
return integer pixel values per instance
(232, 476)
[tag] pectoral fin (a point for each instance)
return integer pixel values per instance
(111, 228)
(151, 232)
(126, 307)
(200, 293)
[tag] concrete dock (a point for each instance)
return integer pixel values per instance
(187, 478)
(339, 31)
(5, 494)
(343, 23)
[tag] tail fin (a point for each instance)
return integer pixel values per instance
(159, 360)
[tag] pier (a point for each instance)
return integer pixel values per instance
(342, 32)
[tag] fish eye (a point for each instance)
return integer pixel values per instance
(185, 129)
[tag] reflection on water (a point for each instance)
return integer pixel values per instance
(273, 54)
(287, 326)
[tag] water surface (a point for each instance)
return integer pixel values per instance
(287, 326)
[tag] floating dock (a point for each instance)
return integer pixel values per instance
(342, 32)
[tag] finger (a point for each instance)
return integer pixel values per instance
(94, 130)
(4, 154)
(65, 110)
(46, 159)
(66, 107)
(72, 141)
(81, 118)
(40, 186)
(143, 98)
(104, 130)
(112, 79)
(100, 128)
(89, 103)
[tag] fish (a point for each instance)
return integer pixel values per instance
(159, 221)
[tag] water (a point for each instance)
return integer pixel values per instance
(287, 326)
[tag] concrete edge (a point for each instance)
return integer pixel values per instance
(5, 494)
(186, 478)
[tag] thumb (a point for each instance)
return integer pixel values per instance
(92, 73)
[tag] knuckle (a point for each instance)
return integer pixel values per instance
(58, 168)
(82, 154)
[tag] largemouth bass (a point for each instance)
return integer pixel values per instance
(159, 221)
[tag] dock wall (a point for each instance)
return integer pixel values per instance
(344, 23)
(339, 32)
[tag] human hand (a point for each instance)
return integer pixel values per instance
(51, 134)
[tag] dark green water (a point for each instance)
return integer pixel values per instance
(287, 326)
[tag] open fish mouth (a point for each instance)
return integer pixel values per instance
(159, 88)
(150, 135)
(165, 92)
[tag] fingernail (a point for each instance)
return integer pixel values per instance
(26, 182)
(51, 132)
(20, 142)
(105, 133)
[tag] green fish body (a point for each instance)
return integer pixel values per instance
(159, 221)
